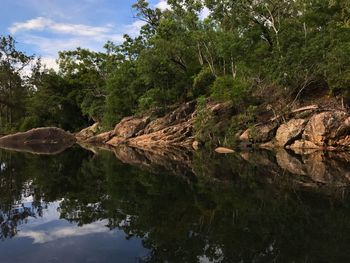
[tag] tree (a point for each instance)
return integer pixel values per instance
(13, 86)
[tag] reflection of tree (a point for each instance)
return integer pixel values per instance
(20, 178)
(245, 218)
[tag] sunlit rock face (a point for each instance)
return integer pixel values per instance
(289, 131)
(327, 127)
(49, 140)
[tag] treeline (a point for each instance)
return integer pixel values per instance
(181, 55)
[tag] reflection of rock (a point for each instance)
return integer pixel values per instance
(304, 147)
(290, 131)
(41, 141)
(290, 163)
(175, 160)
(319, 166)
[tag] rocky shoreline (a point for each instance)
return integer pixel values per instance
(306, 129)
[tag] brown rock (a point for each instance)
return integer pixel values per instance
(115, 141)
(88, 132)
(179, 115)
(325, 128)
(195, 145)
(290, 131)
(260, 134)
(267, 145)
(176, 135)
(130, 126)
(101, 138)
(245, 136)
(224, 150)
(302, 144)
(48, 140)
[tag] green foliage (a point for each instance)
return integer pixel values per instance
(204, 123)
(227, 88)
(239, 123)
(202, 81)
(53, 104)
(180, 56)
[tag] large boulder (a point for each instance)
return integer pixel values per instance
(88, 132)
(327, 127)
(260, 134)
(290, 131)
(130, 126)
(48, 140)
(181, 114)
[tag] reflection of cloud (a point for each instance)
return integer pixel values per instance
(53, 234)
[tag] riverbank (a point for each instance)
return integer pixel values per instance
(302, 127)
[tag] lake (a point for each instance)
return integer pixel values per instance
(132, 206)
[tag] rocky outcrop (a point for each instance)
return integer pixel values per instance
(327, 127)
(88, 132)
(130, 127)
(174, 129)
(327, 130)
(48, 140)
(260, 133)
(290, 131)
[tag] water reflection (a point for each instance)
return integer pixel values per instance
(236, 208)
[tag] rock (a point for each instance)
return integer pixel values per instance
(130, 126)
(345, 142)
(224, 150)
(260, 134)
(326, 127)
(101, 138)
(267, 145)
(195, 145)
(245, 136)
(303, 144)
(290, 131)
(177, 135)
(179, 115)
(88, 132)
(116, 141)
(49, 140)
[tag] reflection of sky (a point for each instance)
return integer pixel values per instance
(50, 239)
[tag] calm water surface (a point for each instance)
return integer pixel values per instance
(82, 207)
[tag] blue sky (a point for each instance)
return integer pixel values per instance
(44, 27)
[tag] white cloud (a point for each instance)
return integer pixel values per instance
(204, 13)
(48, 37)
(50, 63)
(42, 23)
(42, 236)
(134, 28)
(163, 5)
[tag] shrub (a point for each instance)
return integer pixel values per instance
(204, 124)
(227, 88)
